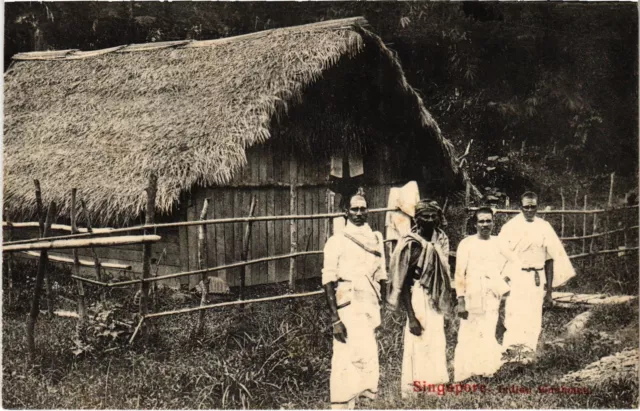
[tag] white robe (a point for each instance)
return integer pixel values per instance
(479, 279)
(425, 356)
(354, 365)
(534, 243)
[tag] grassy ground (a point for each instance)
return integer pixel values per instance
(278, 356)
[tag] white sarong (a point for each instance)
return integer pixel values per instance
(354, 364)
(478, 352)
(534, 243)
(523, 311)
(480, 268)
(425, 356)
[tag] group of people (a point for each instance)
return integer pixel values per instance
(524, 262)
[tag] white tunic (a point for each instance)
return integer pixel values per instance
(479, 279)
(354, 365)
(534, 243)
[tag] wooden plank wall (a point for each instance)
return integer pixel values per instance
(273, 237)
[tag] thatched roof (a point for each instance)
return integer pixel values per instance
(102, 121)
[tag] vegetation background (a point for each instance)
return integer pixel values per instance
(548, 92)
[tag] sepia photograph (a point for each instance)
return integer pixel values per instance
(320, 205)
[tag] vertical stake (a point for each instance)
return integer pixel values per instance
(293, 224)
(149, 219)
(562, 215)
(246, 242)
(82, 309)
(203, 263)
(35, 302)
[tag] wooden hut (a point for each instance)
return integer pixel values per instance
(314, 109)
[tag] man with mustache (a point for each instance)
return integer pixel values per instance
(544, 265)
(420, 279)
(353, 275)
(481, 262)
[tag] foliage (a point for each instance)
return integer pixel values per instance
(559, 80)
(277, 355)
(103, 332)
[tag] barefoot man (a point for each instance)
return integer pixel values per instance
(545, 265)
(481, 262)
(354, 268)
(420, 279)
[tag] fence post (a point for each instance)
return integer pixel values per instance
(82, 309)
(96, 260)
(9, 261)
(467, 200)
(584, 226)
(293, 227)
(575, 217)
(203, 263)
(562, 215)
(35, 302)
(610, 202)
(584, 231)
(41, 221)
(245, 249)
(149, 218)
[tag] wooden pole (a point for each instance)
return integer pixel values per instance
(222, 221)
(562, 215)
(584, 231)
(584, 226)
(41, 220)
(575, 207)
(203, 262)
(83, 243)
(245, 248)
(39, 208)
(96, 260)
(293, 227)
(239, 302)
(610, 202)
(83, 263)
(467, 199)
(82, 309)
(35, 302)
(593, 232)
(217, 268)
(149, 218)
(9, 263)
(61, 227)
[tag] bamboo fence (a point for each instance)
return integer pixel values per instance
(89, 237)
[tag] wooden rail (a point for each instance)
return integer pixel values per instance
(82, 243)
(561, 212)
(84, 263)
(581, 237)
(198, 222)
(195, 272)
(617, 250)
(238, 302)
(59, 227)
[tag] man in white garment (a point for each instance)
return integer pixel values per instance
(544, 265)
(481, 262)
(420, 279)
(353, 276)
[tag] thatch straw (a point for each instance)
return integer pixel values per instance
(104, 122)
